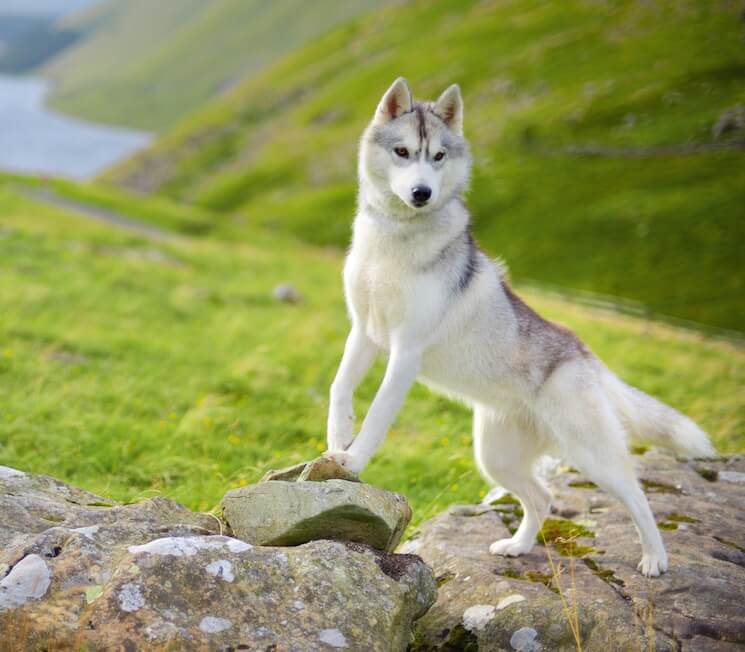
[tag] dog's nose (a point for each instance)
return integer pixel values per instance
(421, 195)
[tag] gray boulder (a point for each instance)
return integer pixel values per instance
(81, 572)
(584, 585)
(309, 502)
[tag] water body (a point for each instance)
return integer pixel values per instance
(35, 140)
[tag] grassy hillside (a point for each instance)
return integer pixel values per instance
(591, 125)
(149, 64)
(133, 367)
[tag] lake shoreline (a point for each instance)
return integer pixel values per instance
(35, 140)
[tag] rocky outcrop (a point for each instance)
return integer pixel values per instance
(313, 501)
(584, 586)
(81, 572)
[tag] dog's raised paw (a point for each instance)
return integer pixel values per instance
(346, 459)
(510, 547)
(652, 565)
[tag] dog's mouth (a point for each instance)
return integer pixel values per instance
(416, 205)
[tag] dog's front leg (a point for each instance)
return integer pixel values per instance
(402, 370)
(359, 354)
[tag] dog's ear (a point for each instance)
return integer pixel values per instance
(449, 107)
(396, 101)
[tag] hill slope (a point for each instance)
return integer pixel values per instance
(591, 125)
(151, 63)
(134, 366)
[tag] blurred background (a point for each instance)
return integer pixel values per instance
(164, 167)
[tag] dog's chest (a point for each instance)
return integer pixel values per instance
(380, 299)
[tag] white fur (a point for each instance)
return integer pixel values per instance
(472, 345)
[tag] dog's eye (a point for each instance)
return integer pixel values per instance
(439, 156)
(402, 152)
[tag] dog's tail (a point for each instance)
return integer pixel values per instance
(652, 421)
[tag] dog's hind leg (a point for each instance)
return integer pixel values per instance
(506, 451)
(616, 476)
(593, 439)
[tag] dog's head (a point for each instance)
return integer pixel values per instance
(413, 157)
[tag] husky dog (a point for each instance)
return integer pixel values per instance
(419, 288)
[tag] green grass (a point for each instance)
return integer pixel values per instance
(134, 368)
(146, 63)
(656, 215)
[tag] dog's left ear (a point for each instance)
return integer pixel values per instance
(449, 107)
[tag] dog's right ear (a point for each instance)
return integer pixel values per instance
(396, 101)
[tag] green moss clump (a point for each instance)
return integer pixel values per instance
(682, 518)
(652, 487)
(461, 639)
(562, 534)
(638, 449)
(542, 578)
(604, 574)
(530, 576)
(555, 528)
(444, 579)
(583, 484)
(510, 572)
(710, 475)
(665, 525)
(507, 518)
(507, 499)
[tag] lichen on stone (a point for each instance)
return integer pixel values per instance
(333, 637)
(188, 546)
(214, 625)
(509, 600)
(130, 597)
(29, 579)
(221, 568)
(87, 532)
(525, 639)
(476, 617)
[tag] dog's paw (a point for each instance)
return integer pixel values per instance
(653, 565)
(510, 547)
(346, 459)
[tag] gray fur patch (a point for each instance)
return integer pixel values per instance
(547, 344)
(471, 265)
(460, 257)
(456, 147)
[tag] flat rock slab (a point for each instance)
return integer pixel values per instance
(282, 513)
(81, 572)
(546, 600)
